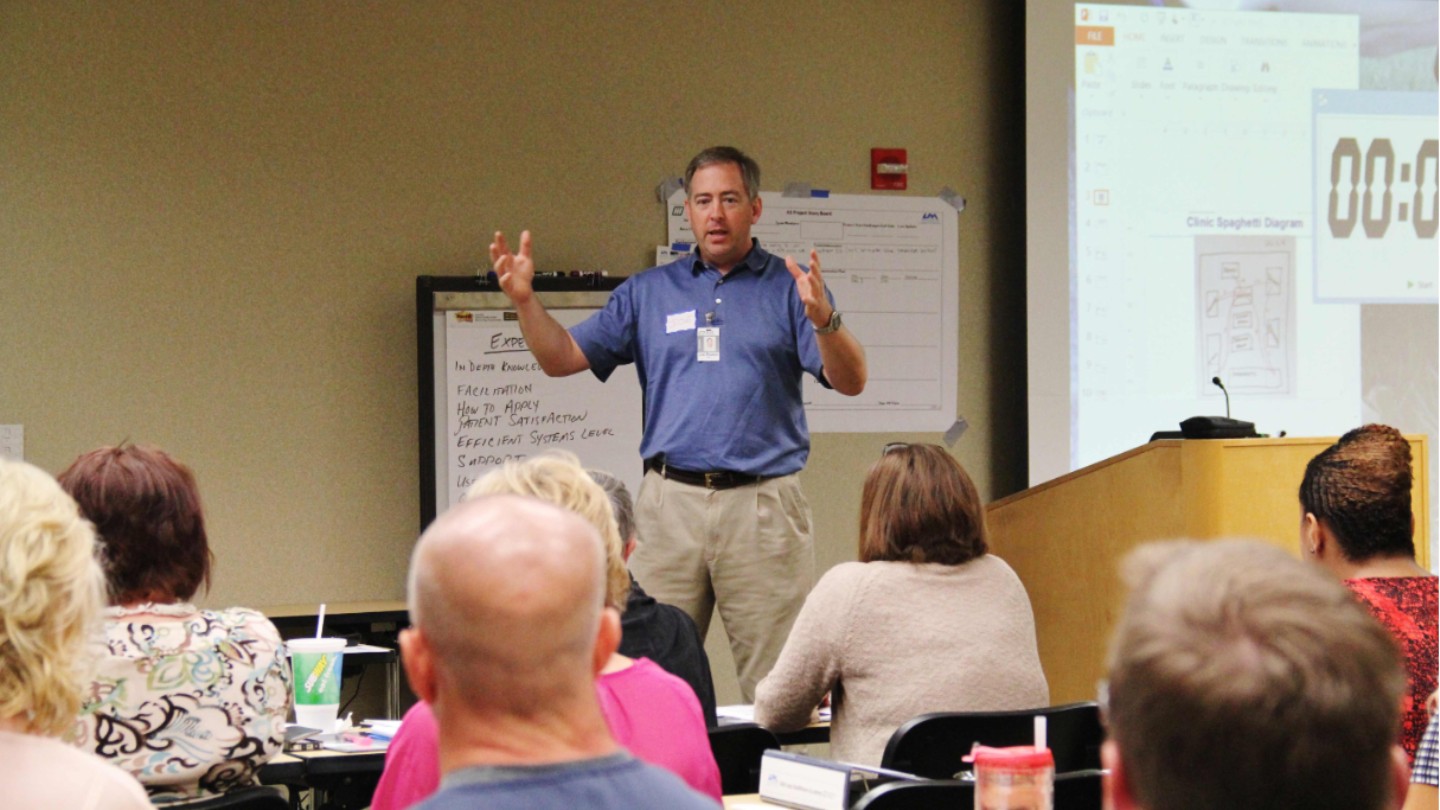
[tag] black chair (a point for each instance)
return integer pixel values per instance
(263, 797)
(1080, 790)
(933, 795)
(738, 749)
(932, 745)
(1076, 790)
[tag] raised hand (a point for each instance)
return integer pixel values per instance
(516, 272)
(811, 289)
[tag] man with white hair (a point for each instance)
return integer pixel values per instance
(508, 635)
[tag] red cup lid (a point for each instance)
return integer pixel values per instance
(1017, 756)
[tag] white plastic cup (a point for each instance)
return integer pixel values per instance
(315, 667)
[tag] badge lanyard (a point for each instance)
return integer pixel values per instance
(707, 341)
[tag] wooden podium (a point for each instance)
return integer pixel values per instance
(1066, 537)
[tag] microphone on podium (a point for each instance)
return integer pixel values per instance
(1217, 427)
(1216, 382)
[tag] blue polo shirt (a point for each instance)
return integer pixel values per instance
(742, 413)
(617, 781)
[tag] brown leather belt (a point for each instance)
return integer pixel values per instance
(715, 479)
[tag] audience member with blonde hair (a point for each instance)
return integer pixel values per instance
(1356, 522)
(926, 621)
(1241, 678)
(190, 701)
(649, 711)
(51, 593)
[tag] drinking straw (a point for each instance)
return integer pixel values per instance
(320, 621)
(1039, 731)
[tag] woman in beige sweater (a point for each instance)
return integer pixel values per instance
(927, 621)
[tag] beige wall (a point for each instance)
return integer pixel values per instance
(213, 213)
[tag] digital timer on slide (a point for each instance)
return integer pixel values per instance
(1377, 168)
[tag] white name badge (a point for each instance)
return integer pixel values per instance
(679, 322)
(707, 344)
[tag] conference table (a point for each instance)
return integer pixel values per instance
(339, 779)
(818, 732)
(344, 779)
(348, 779)
(742, 801)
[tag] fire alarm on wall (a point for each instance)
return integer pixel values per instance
(888, 169)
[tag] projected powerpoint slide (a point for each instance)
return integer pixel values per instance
(1194, 218)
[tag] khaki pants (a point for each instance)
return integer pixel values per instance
(746, 550)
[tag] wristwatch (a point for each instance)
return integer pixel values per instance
(832, 326)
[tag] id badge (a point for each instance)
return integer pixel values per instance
(707, 344)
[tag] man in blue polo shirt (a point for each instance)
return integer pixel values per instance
(720, 339)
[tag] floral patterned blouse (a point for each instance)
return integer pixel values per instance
(192, 702)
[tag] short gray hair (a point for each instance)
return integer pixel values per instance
(749, 169)
(620, 502)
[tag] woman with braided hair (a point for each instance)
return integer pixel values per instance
(1356, 522)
